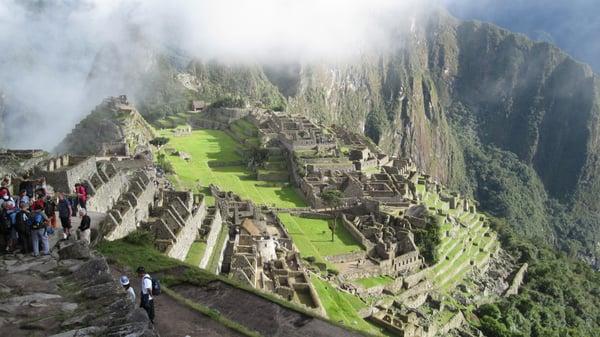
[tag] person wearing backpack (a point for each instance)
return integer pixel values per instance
(39, 231)
(147, 299)
(23, 228)
(11, 212)
(64, 214)
(50, 211)
(5, 228)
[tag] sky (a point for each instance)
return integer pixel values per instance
(49, 47)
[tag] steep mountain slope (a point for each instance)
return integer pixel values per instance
(484, 110)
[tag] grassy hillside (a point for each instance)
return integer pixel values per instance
(216, 159)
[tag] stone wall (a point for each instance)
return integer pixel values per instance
(517, 281)
(349, 257)
(63, 172)
(187, 234)
(131, 208)
(112, 183)
(211, 239)
(356, 234)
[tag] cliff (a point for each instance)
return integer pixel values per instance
(486, 111)
(114, 120)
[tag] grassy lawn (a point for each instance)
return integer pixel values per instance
(195, 253)
(370, 282)
(342, 307)
(313, 237)
(210, 147)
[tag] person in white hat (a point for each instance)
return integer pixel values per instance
(128, 288)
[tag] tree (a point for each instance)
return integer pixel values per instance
(333, 200)
(159, 141)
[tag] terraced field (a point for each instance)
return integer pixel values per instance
(216, 159)
(469, 245)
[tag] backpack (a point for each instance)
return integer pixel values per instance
(50, 208)
(155, 286)
(22, 219)
(38, 222)
(5, 223)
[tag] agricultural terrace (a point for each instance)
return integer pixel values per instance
(216, 159)
(343, 307)
(312, 237)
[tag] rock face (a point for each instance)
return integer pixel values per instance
(111, 123)
(464, 98)
(51, 296)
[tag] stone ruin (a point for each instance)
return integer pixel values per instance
(131, 208)
(176, 219)
(260, 252)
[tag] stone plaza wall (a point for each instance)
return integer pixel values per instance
(356, 234)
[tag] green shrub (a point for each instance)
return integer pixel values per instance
(139, 237)
(333, 271)
(310, 259)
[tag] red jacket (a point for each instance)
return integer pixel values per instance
(81, 193)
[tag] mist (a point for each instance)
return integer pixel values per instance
(50, 49)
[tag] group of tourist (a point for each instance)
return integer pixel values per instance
(27, 219)
(148, 289)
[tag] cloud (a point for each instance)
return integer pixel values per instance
(50, 48)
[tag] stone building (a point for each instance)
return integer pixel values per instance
(177, 217)
(260, 252)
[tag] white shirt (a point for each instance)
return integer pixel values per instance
(131, 294)
(146, 284)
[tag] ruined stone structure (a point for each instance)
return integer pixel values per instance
(389, 244)
(210, 229)
(177, 218)
(260, 252)
(132, 207)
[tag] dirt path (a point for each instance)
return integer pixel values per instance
(176, 320)
(259, 314)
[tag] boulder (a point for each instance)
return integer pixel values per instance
(77, 250)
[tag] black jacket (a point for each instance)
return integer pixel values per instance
(85, 223)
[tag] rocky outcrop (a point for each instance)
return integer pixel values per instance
(114, 121)
(66, 294)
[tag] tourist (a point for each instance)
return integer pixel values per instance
(64, 214)
(40, 187)
(81, 195)
(84, 226)
(5, 228)
(23, 228)
(128, 288)
(50, 211)
(146, 301)
(23, 198)
(4, 198)
(6, 181)
(39, 232)
(11, 212)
